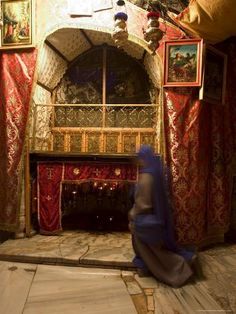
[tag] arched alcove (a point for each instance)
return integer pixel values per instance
(91, 99)
(118, 122)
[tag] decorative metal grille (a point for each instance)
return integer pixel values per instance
(147, 139)
(130, 143)
(103, 104)
(76, 142)
(85, 116)
(111, 143)
(93, 142)
(89, 128)
(132, 117)
(58, 142)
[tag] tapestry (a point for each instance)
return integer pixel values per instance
(16, 78)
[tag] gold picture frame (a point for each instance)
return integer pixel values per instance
(17, 30)
(183, 62)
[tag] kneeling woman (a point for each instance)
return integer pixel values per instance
(151, 226)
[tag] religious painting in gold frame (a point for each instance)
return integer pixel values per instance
(183, 62)
(18, 18)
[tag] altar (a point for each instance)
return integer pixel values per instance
(87, 191)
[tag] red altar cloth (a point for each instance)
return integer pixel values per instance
(51, 176)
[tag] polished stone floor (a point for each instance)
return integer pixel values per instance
(72, 248)
(39, 288)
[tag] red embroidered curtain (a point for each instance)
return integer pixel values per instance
(186, 153)
(51, 175)
(200, 141)
(16, 78)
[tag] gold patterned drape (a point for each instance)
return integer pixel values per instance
(186, 157)
(16, 77)
(199, 146)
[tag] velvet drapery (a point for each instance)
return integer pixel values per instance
(51, 175)
(16, 78)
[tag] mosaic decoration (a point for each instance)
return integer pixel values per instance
(69, 93)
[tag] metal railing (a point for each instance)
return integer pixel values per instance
(113, 128)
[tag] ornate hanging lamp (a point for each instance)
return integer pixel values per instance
(153, 34)
(120, 33)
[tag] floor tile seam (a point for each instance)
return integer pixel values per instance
(84, 254)
(32, 280)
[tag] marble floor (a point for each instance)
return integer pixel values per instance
(53, 288)
(72, 248)
(36, 289)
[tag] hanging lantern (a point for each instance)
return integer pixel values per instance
(153, 34)
(120, 33)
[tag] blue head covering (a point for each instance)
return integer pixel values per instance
(162, 210)
(151, 163)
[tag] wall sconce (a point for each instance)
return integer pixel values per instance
(120, 33)
(153, 34)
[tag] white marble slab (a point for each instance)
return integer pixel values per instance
(108, 256)
(72, 248)
(76, 290)
(15, 283)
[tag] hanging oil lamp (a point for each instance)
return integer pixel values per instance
(120, 33)
(153, 34)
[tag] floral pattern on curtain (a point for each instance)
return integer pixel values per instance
(200, 142)
(16, 78)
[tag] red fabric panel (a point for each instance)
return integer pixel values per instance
(200, 142)
(101, 171)
(49, 196)
(51, 175)
(187, 157)
(16, 78)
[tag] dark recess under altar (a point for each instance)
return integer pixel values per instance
(86, 192)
